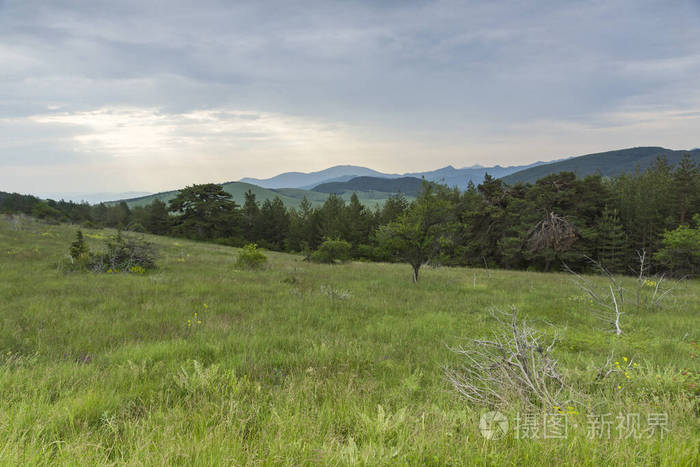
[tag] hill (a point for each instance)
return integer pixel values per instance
(291, 197)
(609, 164)
(406, 185)
(237, 191)
(309, 180)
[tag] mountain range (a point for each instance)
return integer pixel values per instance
(342, 173)
(373, 187)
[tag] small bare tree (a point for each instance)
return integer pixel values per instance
(657, 283)
(610, 301)
(609, 308)
(515, 364)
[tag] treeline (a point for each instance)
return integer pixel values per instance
(490, 225)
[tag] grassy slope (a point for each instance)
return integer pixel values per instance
(101, 368)
(291, 197)
(609, 164)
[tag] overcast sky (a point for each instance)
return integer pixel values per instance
(137, 95)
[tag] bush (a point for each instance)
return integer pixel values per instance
(681, 250)
(123, 254)
(251, 258)
(136, 227)
(79, 250)
(332, 251)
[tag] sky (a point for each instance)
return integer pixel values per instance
(154, 95)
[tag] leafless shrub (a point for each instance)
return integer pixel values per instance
(660, 287)
(610, 302)
(515, 364)
(609, 368)
(609, 306)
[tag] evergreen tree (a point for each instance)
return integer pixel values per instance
(205, 212)
(79, 249)
(358, 222)
(612, 242)
(273, 224)
(251, 212)
(333, 223)
(686, 189)
(157, 218)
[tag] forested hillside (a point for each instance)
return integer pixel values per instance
(608, 164)
(409, 186)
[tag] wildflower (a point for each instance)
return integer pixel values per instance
(189, 322)
(206, 306)
(619, 387)
(624, 359)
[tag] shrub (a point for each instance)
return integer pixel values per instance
(513, 364)
(681, 249)
(79, 249)
(136, 227)
(123, 254)
(251, 258)
(332, 251)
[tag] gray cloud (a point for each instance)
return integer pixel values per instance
(456, 77)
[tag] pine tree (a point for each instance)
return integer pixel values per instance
(78, 249)
(357, 221)
(685, 188)
(612, 241)
(251, 212)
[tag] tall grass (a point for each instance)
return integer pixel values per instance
(105, 368)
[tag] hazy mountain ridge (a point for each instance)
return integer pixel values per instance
(311, 179)
(448, 175)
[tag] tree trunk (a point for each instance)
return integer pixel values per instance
(416, 267)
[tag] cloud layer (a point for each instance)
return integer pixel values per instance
(155, 95)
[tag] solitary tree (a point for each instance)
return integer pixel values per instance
(416, 236)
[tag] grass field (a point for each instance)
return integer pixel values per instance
(306, 364)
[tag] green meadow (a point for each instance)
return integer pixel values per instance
(198, 363)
